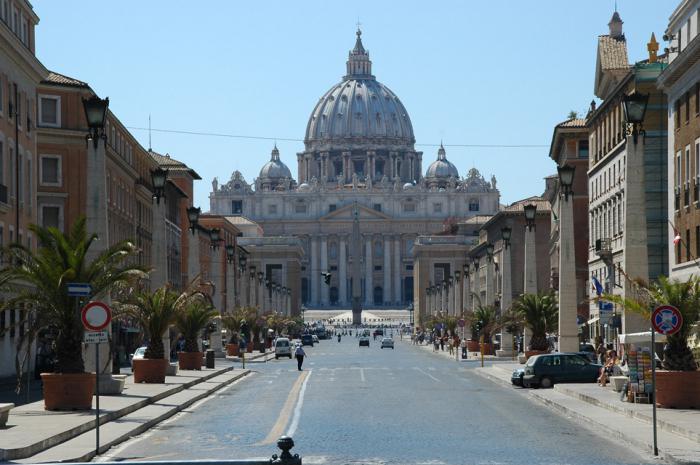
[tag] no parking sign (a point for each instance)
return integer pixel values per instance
(666, 319)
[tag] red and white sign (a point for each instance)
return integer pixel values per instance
(96, 316)
(666, 319)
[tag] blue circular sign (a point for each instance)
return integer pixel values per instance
(666, 319)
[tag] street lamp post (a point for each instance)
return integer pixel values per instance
(466, 288)
(458, 292)
(530, 275)
(636, 261)
(506, 349)
(477, 284)
(450, 295)
(568, 328)
(231, 291)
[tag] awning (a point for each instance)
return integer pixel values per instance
(637, 338)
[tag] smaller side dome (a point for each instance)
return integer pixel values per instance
(441, 168)
(274, 169)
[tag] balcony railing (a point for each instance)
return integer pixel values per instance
(435, 240)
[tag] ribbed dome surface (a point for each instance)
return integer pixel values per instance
(442, 167)
(359, 109)
(275, 168)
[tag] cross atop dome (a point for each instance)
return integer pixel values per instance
(359, 64)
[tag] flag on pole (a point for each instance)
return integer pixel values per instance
(597, 287)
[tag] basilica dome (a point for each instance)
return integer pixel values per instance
(275, 169)
(359, 111)
(442, 167)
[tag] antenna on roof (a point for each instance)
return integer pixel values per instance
(149, 132)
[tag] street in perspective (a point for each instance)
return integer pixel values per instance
(312, 232)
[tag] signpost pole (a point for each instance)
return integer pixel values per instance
(653, 387)
(97, 399)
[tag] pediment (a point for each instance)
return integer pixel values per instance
(345, 213)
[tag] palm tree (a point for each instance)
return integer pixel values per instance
(685, 296)
(155, 312)
(483, 321)
(38, 280)
(193, 318)
(539, 313)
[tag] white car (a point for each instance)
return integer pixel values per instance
(315, 338)
(283, 348)
(140, 352)
(387, 342)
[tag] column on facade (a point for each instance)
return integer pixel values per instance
(466, 289)
(324, 269)
(387, 269)
(475, 285)
(300, 168)
(368, 270)
(397, 270)
(315, 271)
(391, 161)
(159, 256)
(216, 277)
(347, 171)
(530, 285)
(342, 270)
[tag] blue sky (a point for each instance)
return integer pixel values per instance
(486, 72)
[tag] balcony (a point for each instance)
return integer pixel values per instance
(603, 248)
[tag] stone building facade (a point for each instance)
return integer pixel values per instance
(359, 147)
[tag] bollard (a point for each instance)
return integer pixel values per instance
(209, 358)
(285, 443)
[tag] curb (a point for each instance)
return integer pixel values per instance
(48, 443)
(588, 421)
(154, 421)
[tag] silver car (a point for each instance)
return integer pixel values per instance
(387, 342)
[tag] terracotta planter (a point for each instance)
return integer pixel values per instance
(149, 370)
(190, 360)
(69, 391)
(232, 350)
(678, 389)
(530, 353)
(473, 346)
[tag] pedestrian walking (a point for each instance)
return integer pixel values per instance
(299, 354)
(442, 344)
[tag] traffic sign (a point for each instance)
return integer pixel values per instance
(96, 316)
(79, 290)
(95, 337)
(461, 323)
(666, 319)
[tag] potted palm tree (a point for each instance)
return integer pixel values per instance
(540, 314)
(194, 316)
(678, 383)
(155, 312)
(39, 279)
(483, 321)
(232, 323)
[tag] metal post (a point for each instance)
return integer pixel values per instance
(97, 398)
(653, 388)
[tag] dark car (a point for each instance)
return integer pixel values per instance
(378, 332)
(588, 351)
(517, 377)
(307, 340)
(547, 369)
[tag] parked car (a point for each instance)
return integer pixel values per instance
(307, 340)
(315, 338)
(364, 341)
(138, 354)
(547, 369)
(387, 342)
(283, 348)
(517, 377)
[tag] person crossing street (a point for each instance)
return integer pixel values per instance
(299, 354)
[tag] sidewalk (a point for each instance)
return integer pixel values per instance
(678, 430)
(35, 435)
(472, 357)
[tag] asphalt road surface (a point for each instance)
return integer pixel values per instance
(359, 405)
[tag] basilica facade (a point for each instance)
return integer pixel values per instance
(359, 147)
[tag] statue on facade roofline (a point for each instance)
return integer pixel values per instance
(215, 184)
(493, 181)
(340, 180)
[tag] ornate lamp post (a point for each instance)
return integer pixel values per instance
(530, 274)
(193, 217)
(458, 292)
(95, 112)
(450, 294)
(490, 281)
(634, 107)
(159, 177)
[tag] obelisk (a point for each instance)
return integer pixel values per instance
(356, 253)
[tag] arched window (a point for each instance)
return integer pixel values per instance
(473, 205)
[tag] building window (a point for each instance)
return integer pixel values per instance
(377, 207)
(473, 205)
(300, 208)
(687, 245)
(236, 207)
(697, 96)
(437, 208)
(50, 166)
(686, 102)
(677, 114)
(583, 149)
(378, 252)
(332, 207)
(409, 207)
(272, 209)
(377, 267)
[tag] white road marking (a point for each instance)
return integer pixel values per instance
(427, 374)
(362, 374)
(297, 409)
